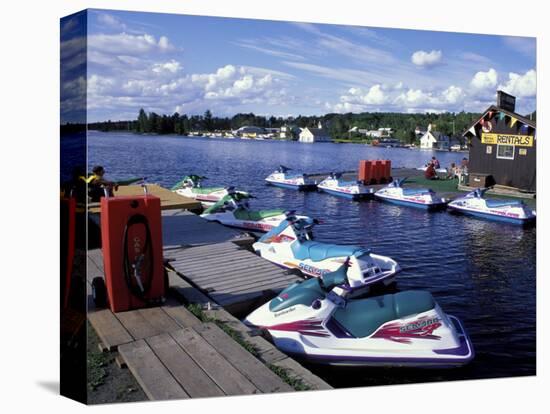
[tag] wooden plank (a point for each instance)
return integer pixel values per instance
(109, 329)
(258, 284)
(246, 271)
(183, 368)
(261, 376)
(180, 314)
(159, 319)
(150, 373)
(247, 264)
(211, 257)
(207, 248)
(168, 199)
(136, 324)
(240, 279)
(225, 375)
(215, 258)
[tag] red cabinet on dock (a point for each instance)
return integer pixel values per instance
(131, 236)
(374, 171)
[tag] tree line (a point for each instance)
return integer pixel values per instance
(403, 125)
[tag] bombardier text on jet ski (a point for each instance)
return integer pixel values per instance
(315, 320)
(414, 197)
(191, 186)
(291, 245)
(233, 210)
(296, 181)
(354, 190)
(510, 211)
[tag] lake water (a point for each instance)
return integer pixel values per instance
(480, 271)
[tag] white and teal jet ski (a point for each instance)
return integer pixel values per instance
(233, 210)
(191, 186)
(317, 321)
(291, 246)
(508, 211)
(354, 190)
(295, 181)
(413, 197)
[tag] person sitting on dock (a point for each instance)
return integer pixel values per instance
(453, 171)
(98, 186)
(435, 163)
(430, 173)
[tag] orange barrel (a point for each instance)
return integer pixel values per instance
(377, 171)
(131, 236)
(362, 174)
(387, 172)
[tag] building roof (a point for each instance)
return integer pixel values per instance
(494, 108)
(317, 131)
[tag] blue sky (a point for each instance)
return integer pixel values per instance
(167, 63)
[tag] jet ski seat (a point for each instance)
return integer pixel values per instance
(317, 251)
(243, 214)
(502, 203)
(362, 317)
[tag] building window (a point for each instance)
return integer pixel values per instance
(505, 152)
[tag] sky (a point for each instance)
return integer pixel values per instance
(170, 63)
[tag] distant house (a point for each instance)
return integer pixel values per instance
(311, 135)
(249, 131)
(374, 133)
(289, 132)
(434, 140)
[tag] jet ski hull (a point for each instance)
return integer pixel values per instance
(411, 203)
(290, 186)
(344, 194)
(492, 216)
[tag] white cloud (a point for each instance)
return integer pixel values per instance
(225, 89)
(522, 86)
(426, 59)
(110, 21)
(171, 66)
(485, 80)
(373, 96)
(128, 44)
(453, 94)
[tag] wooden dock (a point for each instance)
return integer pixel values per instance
(173, 355)
(232, 276)
(168, 199)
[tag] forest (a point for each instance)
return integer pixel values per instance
(403, 124)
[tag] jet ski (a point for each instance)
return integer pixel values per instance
(317, 321)
(191, 186)
(413, 197)
(233, 210)
(510, 211)
(353, 190)
(295, 181)
(290, 245)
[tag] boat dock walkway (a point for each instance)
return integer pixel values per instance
(171, 352)
(231, 275)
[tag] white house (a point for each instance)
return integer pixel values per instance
(434, 139)
(311, 135)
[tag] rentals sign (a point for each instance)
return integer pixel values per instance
(506, 139)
